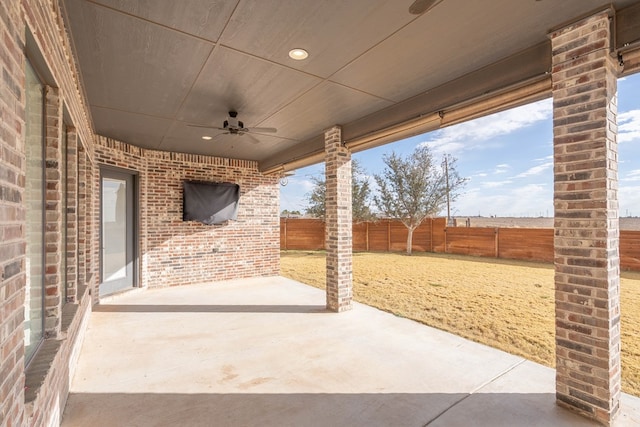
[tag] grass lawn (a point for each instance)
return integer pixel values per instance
(502, 303)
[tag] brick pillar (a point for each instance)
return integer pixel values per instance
(587, 272)
(338, 221)
(53, 212)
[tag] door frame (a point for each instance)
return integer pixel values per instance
(135, 222)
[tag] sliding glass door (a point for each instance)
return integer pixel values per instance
(118, 232)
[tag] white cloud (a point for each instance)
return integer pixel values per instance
(367, 177)
(374, 187)
(528, 200)
(495, 184)
(502, 168)
(542, 159)
(303, 184)
(629, 198)
(535, 170)
(470, 134)
(292, 202)
(629, 126)
(444, 147)
(294, 196)
(631, 176)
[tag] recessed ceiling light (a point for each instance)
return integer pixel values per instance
(298, 54)
(207, 137)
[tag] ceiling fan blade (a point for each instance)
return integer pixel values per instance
(218, 136)
(206, 127)
(421, 6)
(262, 130)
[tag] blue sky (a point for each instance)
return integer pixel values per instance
(507, 157)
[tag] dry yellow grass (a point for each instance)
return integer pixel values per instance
(502, 303)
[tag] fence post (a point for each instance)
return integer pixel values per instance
(366, 236)
(446, 250)
(497, 244)
(388, 235)
(430, 234)
(285, 234)
(324, 235)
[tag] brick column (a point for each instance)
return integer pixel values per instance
(587, 272)
(53, 212)
(338, 221)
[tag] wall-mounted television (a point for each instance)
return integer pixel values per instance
(210, 202)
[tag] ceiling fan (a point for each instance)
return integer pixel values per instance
(233, 126)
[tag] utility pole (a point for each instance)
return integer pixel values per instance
(446, 177)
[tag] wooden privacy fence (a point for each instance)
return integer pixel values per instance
(533, 244)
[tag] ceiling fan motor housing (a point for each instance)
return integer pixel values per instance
(232, 123)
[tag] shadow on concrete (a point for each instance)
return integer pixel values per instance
(317, 409)
(222, 308)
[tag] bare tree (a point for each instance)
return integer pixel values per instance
(360, 195)
(413, 188)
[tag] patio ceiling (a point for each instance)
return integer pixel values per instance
(151, 68)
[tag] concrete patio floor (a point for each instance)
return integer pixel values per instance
(265, 352)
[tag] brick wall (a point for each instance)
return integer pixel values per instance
(12, 219)
(174, 252)
(36, 395)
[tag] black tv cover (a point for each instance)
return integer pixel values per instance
(210, 202)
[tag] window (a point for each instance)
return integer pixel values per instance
(34, 205)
